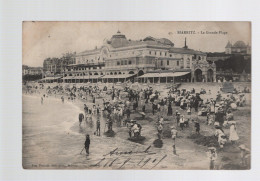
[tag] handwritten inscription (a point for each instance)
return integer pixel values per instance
(123, 159)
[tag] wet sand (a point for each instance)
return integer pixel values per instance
(52, 139)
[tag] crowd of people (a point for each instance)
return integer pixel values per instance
(183, 107)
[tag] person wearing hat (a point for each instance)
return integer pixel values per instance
(221, 136)
(178, 117)
(129, 126)
(87, 143)
(245, 155)
(161, 121)
(212, 154)
(160, 131)
(98, 126)
(182, 120)
(233, 136)
(86, 110)
(174, 133)
(220, 116)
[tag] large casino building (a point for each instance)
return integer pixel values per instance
(150, 60)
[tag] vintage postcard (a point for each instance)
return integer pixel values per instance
(136, 95)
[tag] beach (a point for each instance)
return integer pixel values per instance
(52, 138)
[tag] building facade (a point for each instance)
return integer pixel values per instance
(26, 70)
(121, 59)
(56, 66)
(238, 48)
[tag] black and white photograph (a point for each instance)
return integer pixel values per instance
(136, 95)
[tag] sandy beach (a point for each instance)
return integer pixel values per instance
(52, 138)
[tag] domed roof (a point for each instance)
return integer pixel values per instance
(163, 41)
(239, 44)
(118, 35)
(166, 41)
(118, 40)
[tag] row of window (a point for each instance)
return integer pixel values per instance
(101, 73)
(85, 68)
(178, 63)
(124, 62)
(160, 53)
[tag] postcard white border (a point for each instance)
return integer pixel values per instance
(13, 12)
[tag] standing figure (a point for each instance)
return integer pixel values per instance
(212, 154)
(233, 137)
(197, 127)
(161, 121)
(160, 131)
(182, 120)
(174, 135)
(81, 117)
(41, 100)
(87, 143)
(98, 126)
(86, 111)
(109, 124)
(178, 117)
(221, 136)
(169, 109)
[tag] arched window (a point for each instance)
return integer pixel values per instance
(111, 73)
(119, 73)
(96, 73)
(115, 73)
(131, 72)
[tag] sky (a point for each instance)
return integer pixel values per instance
(51, 39)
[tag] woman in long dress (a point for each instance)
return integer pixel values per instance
(233, 136)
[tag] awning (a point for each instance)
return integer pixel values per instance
(120, 76)
(177, 74)
(51, 78)
(148, 75)
(164, 74)
(86, 77)
(69, 77)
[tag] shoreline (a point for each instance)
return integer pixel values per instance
(186, 147)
